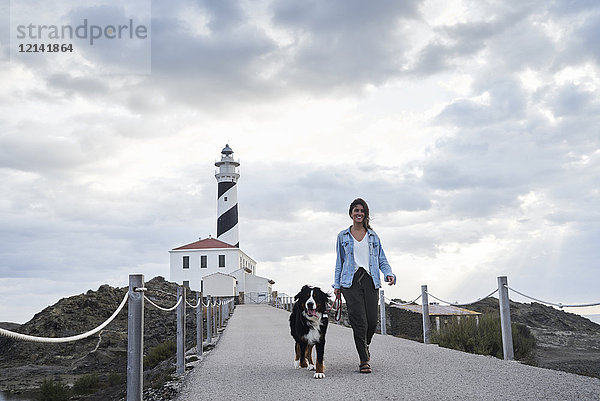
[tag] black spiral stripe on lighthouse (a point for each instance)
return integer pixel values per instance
(224, 187)
(227, 221)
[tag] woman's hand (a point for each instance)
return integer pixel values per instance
(337, 292)
(390, 279)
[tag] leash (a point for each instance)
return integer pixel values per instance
(337, 307)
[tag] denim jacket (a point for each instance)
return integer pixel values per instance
(345, 265)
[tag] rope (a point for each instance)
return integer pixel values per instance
(463, 304)
(404, 304)
(193, 306)
(560, 305)
(25, 337)
(164, 309)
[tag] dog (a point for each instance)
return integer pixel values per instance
(308, 324)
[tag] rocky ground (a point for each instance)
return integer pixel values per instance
(565, 341)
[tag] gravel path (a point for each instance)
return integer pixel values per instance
(254, 360)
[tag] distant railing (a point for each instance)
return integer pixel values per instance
(257, 297)
(287, 302)
(217, 310)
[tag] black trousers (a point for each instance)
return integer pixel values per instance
(362, 301)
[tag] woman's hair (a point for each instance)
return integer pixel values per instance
(360, 201)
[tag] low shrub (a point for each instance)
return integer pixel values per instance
(87, 384)
(485, 338)
(523, 343)
(116, 378)
(159, 353)
(54, 391)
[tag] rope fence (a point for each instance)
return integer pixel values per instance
(462, 304)
(216, 309)
(26, 337)
(391, 302)
(164, 309)
(193, 306)
(559, 305)
(286, 302)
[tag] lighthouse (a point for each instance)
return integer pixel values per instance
(217, 266)
(227, 208)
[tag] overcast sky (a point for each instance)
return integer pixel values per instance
(470, 127)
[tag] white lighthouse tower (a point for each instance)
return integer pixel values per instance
(227, 208)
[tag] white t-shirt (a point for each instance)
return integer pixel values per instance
(361, 253)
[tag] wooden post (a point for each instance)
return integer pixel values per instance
(209, 319)
(507, 340)
(135, 338)
(382, 320)
(214, 318)
(426, 322)
(199, 325)
(181, 331)
(220, 310)
(217, 314)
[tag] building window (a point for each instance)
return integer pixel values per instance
(186, 284)
(203, 262)
(225, 198)
(186, 262)
(221, 260)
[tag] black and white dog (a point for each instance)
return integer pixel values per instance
(308, 324)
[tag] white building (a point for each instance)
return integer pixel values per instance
(220, 285)
(190, 263)
(214, 260)
(256, 289)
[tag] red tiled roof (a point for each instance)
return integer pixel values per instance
(205, 244)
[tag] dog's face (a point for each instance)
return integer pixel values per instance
(313, 302)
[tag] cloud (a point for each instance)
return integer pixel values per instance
(24, 149)
(222, 60)
(70, 85)
(572, 100)
(341, 43)
(504, 100)
(216, 55)
(471, 133)
(277, 191)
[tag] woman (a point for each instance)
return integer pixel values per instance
(359, 259)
